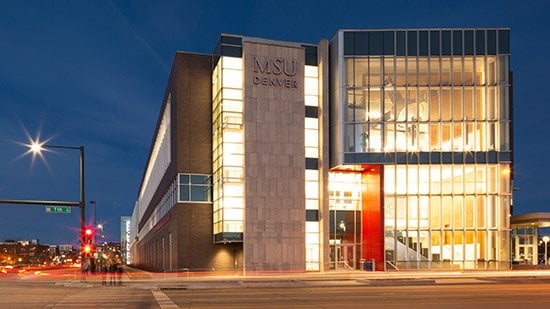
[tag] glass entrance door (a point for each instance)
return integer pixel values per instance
(343, 256)
(524, 242)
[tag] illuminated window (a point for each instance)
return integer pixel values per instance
(311, 141)
(465, 107)
(447, 202)
(227, 150)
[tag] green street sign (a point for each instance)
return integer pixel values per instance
(58, 209)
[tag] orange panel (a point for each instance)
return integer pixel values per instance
(372, 221)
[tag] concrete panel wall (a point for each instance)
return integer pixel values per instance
(274, 231)
(324, 164)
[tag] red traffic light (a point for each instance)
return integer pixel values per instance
(88, 240)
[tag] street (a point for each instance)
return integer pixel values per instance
(446, 296)
(60, 290)
(51, 295)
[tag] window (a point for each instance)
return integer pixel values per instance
(469, 42)
(446, 42)
(376, 41)
(491, 42)
(434, 43)
(457, 42)
(401, 43)
(412, 44)
(480, 42)
(503, 42)
(423, 43)
(195, 188)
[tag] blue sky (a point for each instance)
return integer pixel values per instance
(93, 73)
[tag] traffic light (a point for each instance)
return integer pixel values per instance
(88, 240)
(88, 232)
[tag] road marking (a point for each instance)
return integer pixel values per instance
(163, 300)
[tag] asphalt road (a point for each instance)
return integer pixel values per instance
(436, 296)
(62, 291)
(52, 295)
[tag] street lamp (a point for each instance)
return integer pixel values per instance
(545, 239)
(37, 148)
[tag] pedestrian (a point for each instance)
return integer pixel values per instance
(119, 273)
(88, 267)
(92, 266)
(112, 273)
(104, 270)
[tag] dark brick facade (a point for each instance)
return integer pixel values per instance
(183, 237)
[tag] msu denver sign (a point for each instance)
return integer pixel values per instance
(276, 72)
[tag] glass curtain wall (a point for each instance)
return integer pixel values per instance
(441, 98)
(228, 149)
(446, 216)
(421, 104)
(311, 133)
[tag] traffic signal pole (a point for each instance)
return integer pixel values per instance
(41, 203)
(36, 148)
(82, 205)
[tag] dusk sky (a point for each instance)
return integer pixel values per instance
(93, 73)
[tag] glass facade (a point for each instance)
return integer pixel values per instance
(425, 104)
(312, 189)
(168, 201)
(433, 107)
(228, 149)
(446, 216)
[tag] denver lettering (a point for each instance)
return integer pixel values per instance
(276, 82)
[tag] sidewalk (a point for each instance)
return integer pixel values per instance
(209, 280)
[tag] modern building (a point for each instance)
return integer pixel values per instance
(384, 149)
(530, 239)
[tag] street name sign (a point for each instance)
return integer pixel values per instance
(58, 209)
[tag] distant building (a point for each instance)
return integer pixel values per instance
(23, 252)
(53, 250)
(385, 149)
(66, 249)
(125, 240)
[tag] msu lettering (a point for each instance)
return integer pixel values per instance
(276, 72)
